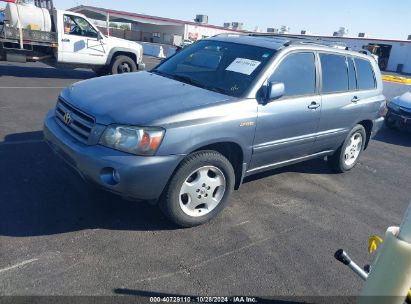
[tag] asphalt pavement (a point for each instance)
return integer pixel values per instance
(59, 236)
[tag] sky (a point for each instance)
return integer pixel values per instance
(377, 18)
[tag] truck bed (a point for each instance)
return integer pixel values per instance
(11, 34)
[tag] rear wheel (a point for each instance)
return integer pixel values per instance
(346, 157)
(123, 64)
(199, 190)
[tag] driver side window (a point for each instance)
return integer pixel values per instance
(74, 25)
(297, 72)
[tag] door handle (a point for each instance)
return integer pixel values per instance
(355, 99)
(314, 105)
(65, 40)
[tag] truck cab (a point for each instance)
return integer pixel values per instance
(81, 42)
(34, 32)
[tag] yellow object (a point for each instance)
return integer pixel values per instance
(396, 79)
(391, 272)
(373, 242)
(33, 27)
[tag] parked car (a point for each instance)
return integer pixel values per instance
(399, 112)
(187, 133)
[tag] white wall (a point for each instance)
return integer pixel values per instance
(166, 31)
(400, 52)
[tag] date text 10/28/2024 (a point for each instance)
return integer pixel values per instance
(203, 300)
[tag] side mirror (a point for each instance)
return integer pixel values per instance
(275, 90)
(99, 36)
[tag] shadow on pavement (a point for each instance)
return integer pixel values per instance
(44, 72)
(40, 195)
(315, 166)
(394, 137)
(150, 294)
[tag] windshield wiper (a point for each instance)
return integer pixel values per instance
(196, 83)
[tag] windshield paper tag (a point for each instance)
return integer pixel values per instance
(243, 66)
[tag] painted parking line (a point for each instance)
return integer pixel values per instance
(21, 142)
(18, 265)
(396, 79)
(32, 87)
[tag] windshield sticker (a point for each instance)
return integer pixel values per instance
(243, 66)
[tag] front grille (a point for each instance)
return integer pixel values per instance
(77, 123)
(405, 112)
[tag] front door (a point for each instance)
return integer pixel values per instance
(80, 42)
(287, 127)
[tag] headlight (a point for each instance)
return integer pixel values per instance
(135, 140)
(393, 106)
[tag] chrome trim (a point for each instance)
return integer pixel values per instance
(288, 162)
(81, 125)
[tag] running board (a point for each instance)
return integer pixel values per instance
(288, 162)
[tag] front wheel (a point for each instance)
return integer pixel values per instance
(123, 64)
(199, 189)
(346, 157)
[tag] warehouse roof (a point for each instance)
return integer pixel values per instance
(121, 16)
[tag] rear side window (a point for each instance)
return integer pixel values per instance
(297, 72)
(334, 73)
(352, 78)
(365, 74)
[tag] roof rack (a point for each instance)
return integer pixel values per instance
(294, 39)
(288, 40)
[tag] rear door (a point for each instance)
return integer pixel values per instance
(80, 43)
(286, 128)
(341, 106)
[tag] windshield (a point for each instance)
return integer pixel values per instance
(224, 67)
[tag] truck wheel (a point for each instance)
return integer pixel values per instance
(346, 157)
(123, 64)
(199, 189)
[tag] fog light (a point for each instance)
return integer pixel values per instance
(110, 176)
(116, 176)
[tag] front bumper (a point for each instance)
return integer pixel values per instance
(402, 120)
(139, 177)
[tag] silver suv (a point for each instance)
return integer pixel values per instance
(187, 133)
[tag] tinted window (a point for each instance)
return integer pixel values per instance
(297, 72)
(365, 74)
(334, 73)
(352, 78)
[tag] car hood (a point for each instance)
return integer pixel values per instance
(138, 98)
(403, 100)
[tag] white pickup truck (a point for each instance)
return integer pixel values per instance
(63, 38)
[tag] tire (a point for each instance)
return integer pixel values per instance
(193, 197)
(123, 64)
(347, 156)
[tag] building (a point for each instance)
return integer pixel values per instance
(155, 29)
(393, 55)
